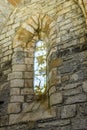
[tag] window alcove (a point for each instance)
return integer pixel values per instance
(40, 68)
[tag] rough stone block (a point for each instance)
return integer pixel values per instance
(76, 99)
(19, 67)
(27, 91)
(83, 108)
(68, 111)
(28, 75)
(14, 108)
(17, 83)
(84, 86)
(70, 86)
(10, 33)
(74, 91)
(56, 98)
(55, 63)
(17, 99)
(28, 107)
(29, 83)
(28, 28)
(79, 123)
(15, 91)
(15, 75)
(57, 123)
(29, 61)
(52, 90)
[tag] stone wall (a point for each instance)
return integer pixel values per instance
(62, 25)
(5, 11)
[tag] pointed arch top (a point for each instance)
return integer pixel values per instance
(38, 26)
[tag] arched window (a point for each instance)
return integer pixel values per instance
(40, 67)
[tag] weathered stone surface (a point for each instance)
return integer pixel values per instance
(55, 63)
(61, 24)
(56, 98)
(15, 75)
(4, 120)
(29, 83)
(17, 83)
(15, 91)
(70, 86)
(27, 91)
(83, 108)
(14, 108)
(84, 86)
(66, 128)
(55, 123)
(19, 68)
(28, 75)
(29, 61)
(28, 28)
(68, 111)
(52, 90)
(74, 91)
(79, 123)
(16, 99)
(76, 99)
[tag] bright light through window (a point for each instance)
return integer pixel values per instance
(40, 67)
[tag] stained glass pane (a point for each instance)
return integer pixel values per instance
(40, 67)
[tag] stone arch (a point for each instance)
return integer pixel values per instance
(83, 5)
(39, 25)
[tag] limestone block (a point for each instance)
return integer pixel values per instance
(29, 67)
(70, 86)
(28, 27)
(76, 99)
(29, 60)
(13, 118)
(54, 78)
(31, 21)
(74, 77)
(35, 18)
(10, 33)
(55, 123)
(28, 75)
(28, 107)
(8, 52)
(16, 99)
(28, 83)
(16, 25)
(18, 57)
(19, 68)
(83, 108)
(15, 75)
(68, 111)
(74, 91)
(2, 36)
(6, 58)
(52, 90)
(14, 108)
(55, 63)
(4, 49)
(85, 86)
(14, 91)
(79, 123)
(26, 91)
(17, 83)
(56, 98)
(7, 43)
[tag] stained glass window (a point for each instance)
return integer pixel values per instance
(40, 67)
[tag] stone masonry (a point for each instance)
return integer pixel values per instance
(62, 25)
